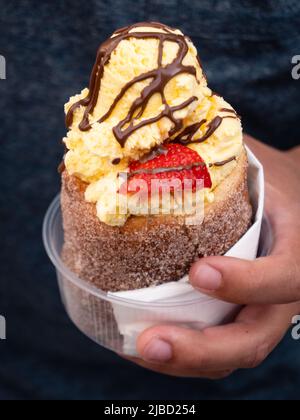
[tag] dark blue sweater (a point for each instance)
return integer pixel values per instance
(246, 48)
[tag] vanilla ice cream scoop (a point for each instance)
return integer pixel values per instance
(146, 81)
(147, 88)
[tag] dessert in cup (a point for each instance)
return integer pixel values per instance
(155, 170)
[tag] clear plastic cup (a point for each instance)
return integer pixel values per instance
(99, 315)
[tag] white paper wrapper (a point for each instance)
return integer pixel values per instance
(177, 302)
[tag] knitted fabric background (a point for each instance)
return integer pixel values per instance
(246, 48)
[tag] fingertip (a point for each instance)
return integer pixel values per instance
(142, 341)
(153, 348)
(205, 276)
(214, 262)
(226, 266)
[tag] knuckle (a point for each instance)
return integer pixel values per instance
(291, 268)
(291, 274)
(199, 361)
(296, 276)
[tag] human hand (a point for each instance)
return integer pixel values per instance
(270, 286)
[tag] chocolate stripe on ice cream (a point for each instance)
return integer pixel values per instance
(156, 25)
(188, 133)
(160, 76)
(232, 111)
(211, 128)
(177, 168)
(155, 152)
(228, 110)
(223, 163)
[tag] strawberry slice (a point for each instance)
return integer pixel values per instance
(178, 162)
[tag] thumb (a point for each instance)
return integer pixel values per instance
(269, 280)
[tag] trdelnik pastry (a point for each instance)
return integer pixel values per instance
(148, 118)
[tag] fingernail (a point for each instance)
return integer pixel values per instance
(207, 278)
(158, 351)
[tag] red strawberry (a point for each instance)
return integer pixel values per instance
(187, 164)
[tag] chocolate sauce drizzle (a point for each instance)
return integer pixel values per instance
(223, 163)
(116, 161)
(160, 78)
(155, 152)
(179, 168)
(187, 135)
(228, 110)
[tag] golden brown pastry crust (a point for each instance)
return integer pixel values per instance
(150, 250)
